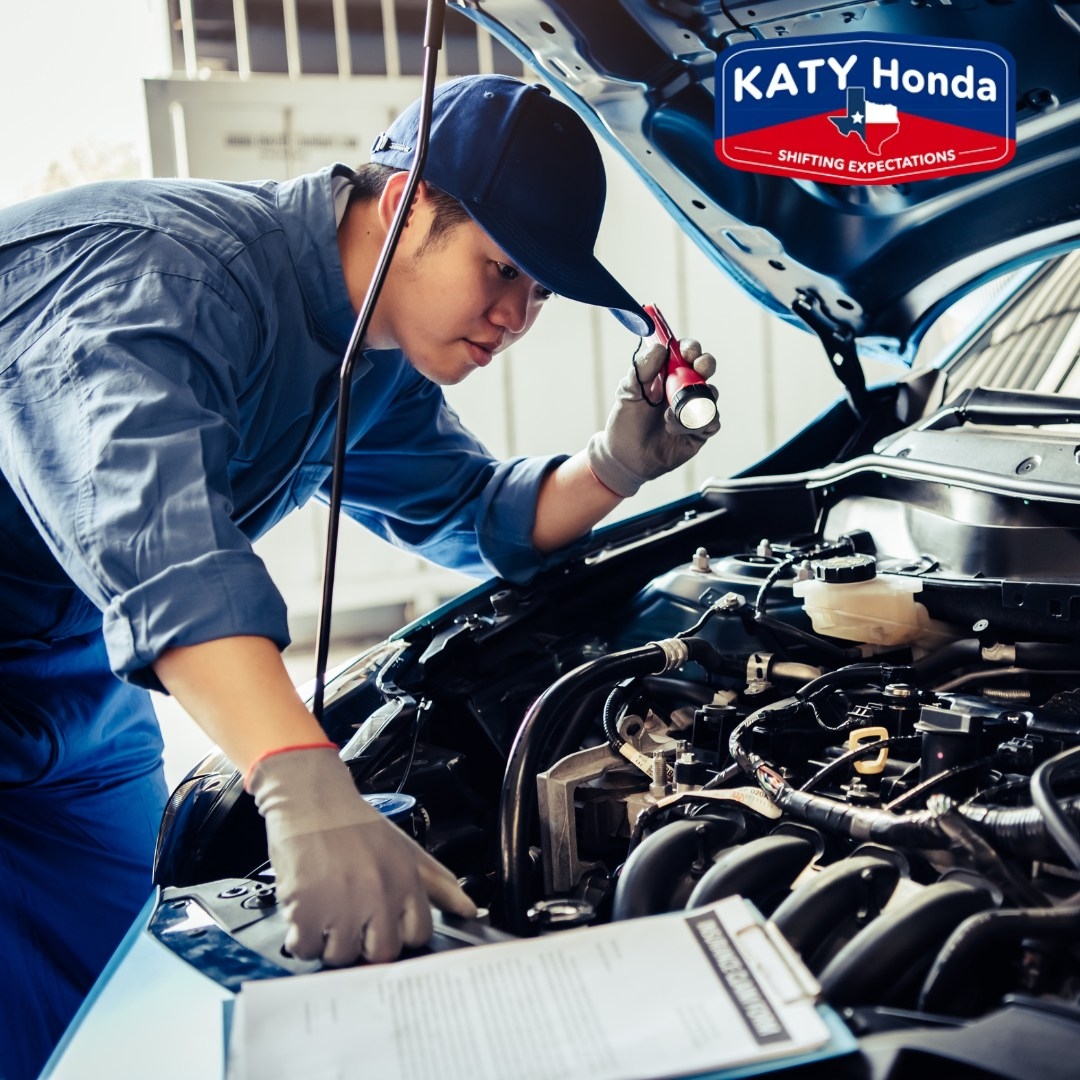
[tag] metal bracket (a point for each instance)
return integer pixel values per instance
(839, 341)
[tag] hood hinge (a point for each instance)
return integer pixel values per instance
(839, 341)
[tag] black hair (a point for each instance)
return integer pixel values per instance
(448, 212)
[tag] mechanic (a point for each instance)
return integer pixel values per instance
(169, 359)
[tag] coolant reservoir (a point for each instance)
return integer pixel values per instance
(846, 598)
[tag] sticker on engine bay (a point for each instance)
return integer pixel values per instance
(867, 109)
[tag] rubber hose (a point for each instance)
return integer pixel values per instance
(955, 654)
(613, 705)
(949, 983)
(1033, 654)
(856, 675)
(518, 797)
(1042, 795)
(1020, 831)
(882, 964)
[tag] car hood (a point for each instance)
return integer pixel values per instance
(876, 262)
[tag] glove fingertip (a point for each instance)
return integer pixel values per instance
(690, 349)
(302, 945)
(649, 365)
(705, 365)
(450, 897)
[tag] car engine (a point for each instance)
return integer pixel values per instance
(849, 694)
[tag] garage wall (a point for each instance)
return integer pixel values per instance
(548, 393)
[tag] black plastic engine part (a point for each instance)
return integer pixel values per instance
(827, 910)
(762, 871)
(885, 963)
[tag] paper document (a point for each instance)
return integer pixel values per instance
(671, 995)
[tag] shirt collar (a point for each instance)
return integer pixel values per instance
(306, 205)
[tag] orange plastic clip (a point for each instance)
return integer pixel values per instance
(869, 734)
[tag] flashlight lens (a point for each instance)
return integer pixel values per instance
(696, 412)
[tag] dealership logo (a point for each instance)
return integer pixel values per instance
(865, 110)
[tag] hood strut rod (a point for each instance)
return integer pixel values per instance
(433, 38)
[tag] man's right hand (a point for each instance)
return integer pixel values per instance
(349, 882)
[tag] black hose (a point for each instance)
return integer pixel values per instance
(1056, 729)
(1057, 821)
(949, 985)
(1045, 654)
(947, 658)
(697, 692)
(518, 797)
(838, 654)
(964, 653)
(1020, 831)
(615, 702)
(855, 675)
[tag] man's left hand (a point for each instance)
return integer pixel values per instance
(642, 440)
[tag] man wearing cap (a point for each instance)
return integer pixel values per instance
(169, 356)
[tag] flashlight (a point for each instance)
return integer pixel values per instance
(686, 391)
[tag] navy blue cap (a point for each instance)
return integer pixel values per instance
(528, 171)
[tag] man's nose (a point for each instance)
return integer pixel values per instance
(511, 310)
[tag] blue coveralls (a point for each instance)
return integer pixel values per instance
(169, 356)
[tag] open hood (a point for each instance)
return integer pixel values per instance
(871, 262)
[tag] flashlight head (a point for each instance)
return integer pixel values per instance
(694, 406)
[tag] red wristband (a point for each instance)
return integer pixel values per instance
(284, 750)
(602, 484)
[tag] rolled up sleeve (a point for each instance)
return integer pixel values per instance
(117, 433)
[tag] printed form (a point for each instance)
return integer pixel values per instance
(671, 995)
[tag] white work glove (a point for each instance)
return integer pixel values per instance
(349, 882)
(643, 440)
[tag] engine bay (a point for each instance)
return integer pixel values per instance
(851, 696)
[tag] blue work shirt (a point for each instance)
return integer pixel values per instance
(169, 359)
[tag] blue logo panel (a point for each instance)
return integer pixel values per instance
(867, 109)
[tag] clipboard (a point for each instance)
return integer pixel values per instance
(714, 993)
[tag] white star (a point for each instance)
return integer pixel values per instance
(857, 118)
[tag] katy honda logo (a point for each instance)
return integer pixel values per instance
(865, 110)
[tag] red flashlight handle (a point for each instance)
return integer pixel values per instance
(682, 383)
(677, 372)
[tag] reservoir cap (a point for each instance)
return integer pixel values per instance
(394, 805)
(845, 569)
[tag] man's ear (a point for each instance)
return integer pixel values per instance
(392, 193)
